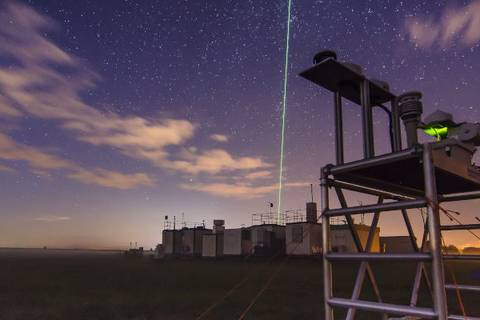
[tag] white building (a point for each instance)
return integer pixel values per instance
(237, 242)
(187, 241)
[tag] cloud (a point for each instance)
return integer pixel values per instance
(5, 168)
(36, 159)
(46, 82)
(53, 218)
(264, 174)
(6, 110)
(33, 86)
(41, 163)
(214, 161)
(111, 179)
(462, 23)
(239, 190)
(219, 137)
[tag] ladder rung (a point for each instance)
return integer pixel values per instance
(389, 206)
(461, 257)
(452, 286)
(382, 307)
(378, 256)
(459, 317)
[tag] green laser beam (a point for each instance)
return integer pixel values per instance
(284, 113)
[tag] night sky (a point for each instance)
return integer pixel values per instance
(114, 114)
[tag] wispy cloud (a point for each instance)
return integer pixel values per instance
(111, 179)
(264, 174)
(239, 190)
(53, 218)
(213, 161)
(37, 159)
(219, 137)
(5, 168)
(460, 23)
(42, 163)
(32, 86)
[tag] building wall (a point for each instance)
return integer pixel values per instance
(232, 242)
(209, 245)
(188, 241)
(172, 241)
(268, 239)
(212, 245)
(219, 240)
(363, 231)
(399, 244)
(199, 233)
(342, 240)
(303, 238)
(237, 241)
(167, 241)
(184, 242)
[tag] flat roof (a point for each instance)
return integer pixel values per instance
(267, 225)
(303, 222)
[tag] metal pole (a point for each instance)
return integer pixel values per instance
(411, 234)
(371, 191)
(389, 206)
(421, 269)
(326, 246)
(397, 134)
(438, 277)
(363, 256)
(462, 287)
(383, 159)
(461, 257)
(338, 128)
(384, 307)
(455, 227)
(364, 266)
(460, 197)
(367, 120)
(350, 223)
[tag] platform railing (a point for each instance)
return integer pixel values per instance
(433, 276)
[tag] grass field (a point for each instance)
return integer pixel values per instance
(114, 287)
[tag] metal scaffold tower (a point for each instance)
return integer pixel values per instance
(417, 176)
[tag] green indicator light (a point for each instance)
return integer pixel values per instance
(284, 113)
(439, 132)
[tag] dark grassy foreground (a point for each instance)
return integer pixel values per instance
(114, 287)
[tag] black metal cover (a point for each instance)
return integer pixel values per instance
(333, 76)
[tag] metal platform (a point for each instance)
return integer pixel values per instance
(412, 180)
(402, 173)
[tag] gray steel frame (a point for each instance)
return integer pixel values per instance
(402, 199)
(402, 202)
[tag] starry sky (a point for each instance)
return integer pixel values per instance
(114, 114)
